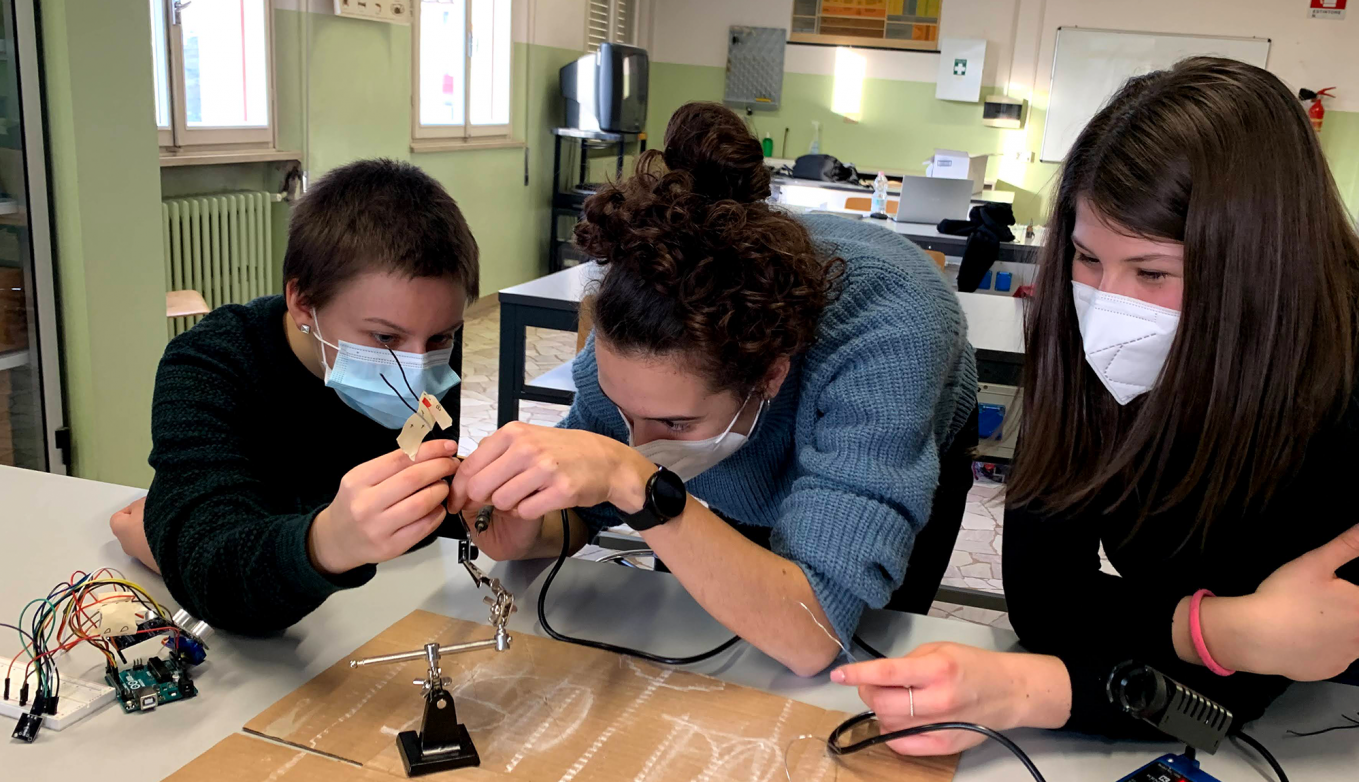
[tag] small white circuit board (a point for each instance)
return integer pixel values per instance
(79, 699)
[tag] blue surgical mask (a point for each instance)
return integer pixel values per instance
(371, 381)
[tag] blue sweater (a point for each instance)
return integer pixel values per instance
(844, 463)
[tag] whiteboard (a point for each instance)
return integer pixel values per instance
(1088, 67)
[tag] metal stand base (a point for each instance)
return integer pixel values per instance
(418, 764)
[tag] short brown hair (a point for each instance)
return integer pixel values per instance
(1217, 155)
(699, 266)
(377, 215)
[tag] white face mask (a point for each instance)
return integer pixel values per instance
(1126, 340)
(689, 458)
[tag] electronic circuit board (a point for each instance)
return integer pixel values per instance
(149, 684)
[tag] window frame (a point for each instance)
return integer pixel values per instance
(179, 136)
(467, 132)
(611, 24)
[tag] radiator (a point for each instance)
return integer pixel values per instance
(220, 246)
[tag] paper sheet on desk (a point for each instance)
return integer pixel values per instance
(545, 710)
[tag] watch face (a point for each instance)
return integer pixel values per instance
(668, 495)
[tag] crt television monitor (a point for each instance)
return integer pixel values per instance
(607, 90)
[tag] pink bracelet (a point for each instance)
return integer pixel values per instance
(1196, 634)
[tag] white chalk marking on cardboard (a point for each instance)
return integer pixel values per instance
(564, 732)
(715, 685)
(626, 716)
(286, 767)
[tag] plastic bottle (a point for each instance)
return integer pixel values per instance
(767, 145)
(815, 148)
(879, 205)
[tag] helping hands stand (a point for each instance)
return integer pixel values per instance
(443, 743)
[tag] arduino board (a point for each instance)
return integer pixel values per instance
(153, 683)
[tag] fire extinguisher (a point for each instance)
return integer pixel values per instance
(1317, 112)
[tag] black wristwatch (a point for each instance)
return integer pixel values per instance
(665, 499)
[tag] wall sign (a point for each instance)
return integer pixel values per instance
(1328, 9)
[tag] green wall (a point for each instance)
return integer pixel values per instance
(903, 123)
(1340, 139)
(107, 185)
(105, 198)
(360, 108)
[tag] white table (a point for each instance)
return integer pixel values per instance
(56, 524)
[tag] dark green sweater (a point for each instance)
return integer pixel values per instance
(248, 447)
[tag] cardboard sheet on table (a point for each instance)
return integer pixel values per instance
(553, 711)
(240, 758)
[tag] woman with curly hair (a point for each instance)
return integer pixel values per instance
(808, 381)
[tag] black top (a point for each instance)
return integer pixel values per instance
(248, 446)
(1061, 604)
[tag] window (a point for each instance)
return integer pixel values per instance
(213, 73)
(614, 21)
(462, 65)
(896, 24)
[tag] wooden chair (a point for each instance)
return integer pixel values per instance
(937, 257)
(183, 304)
(859, 204)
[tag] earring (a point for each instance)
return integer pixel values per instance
(304, 328)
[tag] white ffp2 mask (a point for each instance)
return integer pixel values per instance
(689, 458)
(1126, 340)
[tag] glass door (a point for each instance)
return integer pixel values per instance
(30, 383)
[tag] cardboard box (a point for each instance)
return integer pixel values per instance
(954, 164)
(553, 711)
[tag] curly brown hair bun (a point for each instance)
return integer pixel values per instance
(698, 264)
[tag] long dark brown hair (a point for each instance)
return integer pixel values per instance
(699, 266)
(1220, 156)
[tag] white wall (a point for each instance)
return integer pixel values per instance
(1304, 52)
(559, 23)
(1020, 36)
(694, 32)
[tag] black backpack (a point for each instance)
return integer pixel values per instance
(824, 168)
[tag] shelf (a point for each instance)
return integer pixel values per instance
(18, 358)
(171, 160)
(598, 135)
(572, 201)
(12, 213)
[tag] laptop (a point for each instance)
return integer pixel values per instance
(931, 199)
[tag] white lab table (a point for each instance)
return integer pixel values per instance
(56, 524)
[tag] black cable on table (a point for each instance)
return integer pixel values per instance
(1327, 730)
(608, 647)
(833, 742)
(864, 645)
(1264, 753)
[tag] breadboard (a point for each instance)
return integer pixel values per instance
(79, 699)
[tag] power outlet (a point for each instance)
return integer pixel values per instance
(391, 11)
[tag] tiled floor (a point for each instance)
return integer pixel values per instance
(976, 557)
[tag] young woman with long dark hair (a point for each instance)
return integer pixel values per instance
(1189, 403)
(810, 380)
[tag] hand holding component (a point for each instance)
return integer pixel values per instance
(383, 507)
(528, 471)
(949, 682)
